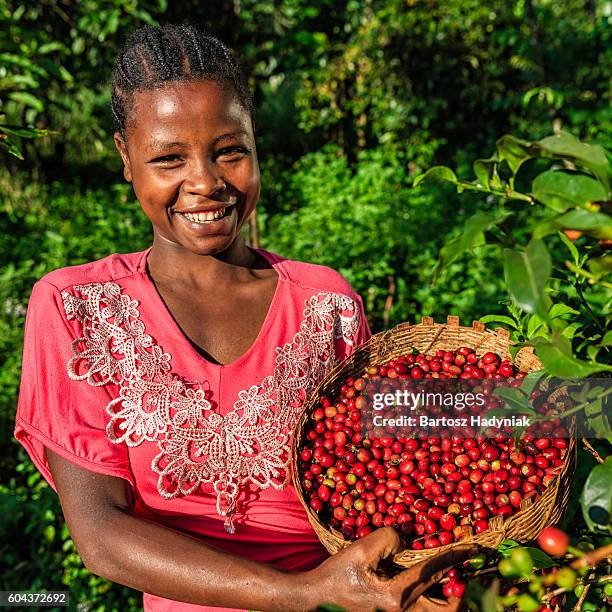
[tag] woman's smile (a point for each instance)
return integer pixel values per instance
(219, 220)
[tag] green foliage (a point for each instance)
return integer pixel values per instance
(526, 272)
(36, 546)
(569, 204)
(471, 236)
(354, 100)
(524, 558)
(399, 71)
(43, 47)
(367, 223)
(596, 500)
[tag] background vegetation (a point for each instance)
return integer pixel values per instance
(369, 94)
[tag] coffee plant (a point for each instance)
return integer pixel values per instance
(562, 309)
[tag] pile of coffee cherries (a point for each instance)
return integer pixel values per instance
(455, 585)
(435, 490)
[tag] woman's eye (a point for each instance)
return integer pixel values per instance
(232, 153)
(166, 159)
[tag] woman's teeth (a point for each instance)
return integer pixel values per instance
(206, 217)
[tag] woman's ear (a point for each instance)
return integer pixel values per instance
(122, 148)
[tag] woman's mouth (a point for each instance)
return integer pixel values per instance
(207, 218)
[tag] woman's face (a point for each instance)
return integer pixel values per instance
(190, 149)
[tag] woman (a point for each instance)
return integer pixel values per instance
(160, 388)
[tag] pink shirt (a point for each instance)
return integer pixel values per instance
(111, 383)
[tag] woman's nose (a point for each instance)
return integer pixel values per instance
(204, 179)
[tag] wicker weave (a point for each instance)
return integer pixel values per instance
(428, 337)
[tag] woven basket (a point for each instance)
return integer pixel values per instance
(428, 337)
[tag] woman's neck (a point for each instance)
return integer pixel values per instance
(171, 263)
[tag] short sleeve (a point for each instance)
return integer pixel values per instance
(55, 411)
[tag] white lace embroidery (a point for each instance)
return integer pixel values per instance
(250, 444)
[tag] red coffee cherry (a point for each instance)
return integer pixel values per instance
(553, 541)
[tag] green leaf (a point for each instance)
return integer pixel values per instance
(489, 598)
(49, 533)
(506, 547)
(560, 310)
(530, 382)
(595, 224)
(557, 358)
(23, 132)
(27, 99)
(11, 147)
(600, 266)
(435, 175)
(514, 151)
(23, 62)
(18, 81)
(607, 339)
(65, 75)
(472, 235)
(526, 274)
(498, 319)
(561, 190)
(571, 247)
(486, 172)
(330, 607)
(56, 70)
(78, 45)
(596, 499)
(569, 331)
(592, 352)
(540, 558)
(51, 47)
(478, 598)
(516, 401)
(567, 146)
(600, 425)
(534, 324)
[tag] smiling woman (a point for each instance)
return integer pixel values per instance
(192, 160)
(160, 389)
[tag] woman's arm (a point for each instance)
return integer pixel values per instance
(149, 557)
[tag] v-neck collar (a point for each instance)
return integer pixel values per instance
(171, 323)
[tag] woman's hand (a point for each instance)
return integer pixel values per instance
(352, 578)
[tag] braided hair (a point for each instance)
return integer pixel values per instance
(155, 55)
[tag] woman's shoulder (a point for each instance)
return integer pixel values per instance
(310, 275)
(107, 269)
